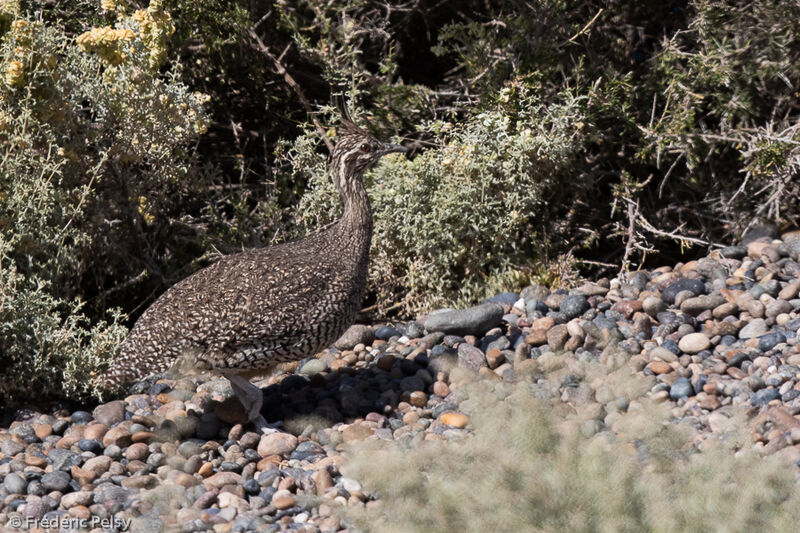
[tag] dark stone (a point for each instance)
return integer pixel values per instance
(770, 340)
(36, 488)
(763, 397)
(293, 381)
(385, 333)
(268, 477)
(57, 480)
(440, 350)
(504, 298)
(158, 388)
(91, 445)
(81, 417)
(471, 321)
(672, 346)
(758, 231)
(695, 286)
(682, 388)
(574, 305)
(251, 486)
(230, 466)
(737, 359)
(734, 252)
(267, 493)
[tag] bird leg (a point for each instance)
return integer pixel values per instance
(251, 399)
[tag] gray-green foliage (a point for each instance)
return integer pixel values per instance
(452, 224)
(90, 154)
(532, 466)
(728, 97)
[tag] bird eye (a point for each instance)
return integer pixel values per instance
(365, 148)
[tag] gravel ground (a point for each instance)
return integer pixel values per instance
(174, 455)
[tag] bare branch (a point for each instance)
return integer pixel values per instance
(290, 81)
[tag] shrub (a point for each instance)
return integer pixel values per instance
(461, 220)
(94, 147)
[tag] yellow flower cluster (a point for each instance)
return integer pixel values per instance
(156, 28)
(113, 6)
(14, 74)
(108, 43)
(22, 32)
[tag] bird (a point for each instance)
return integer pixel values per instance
(252, 310)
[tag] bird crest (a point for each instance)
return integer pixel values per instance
(346, 124)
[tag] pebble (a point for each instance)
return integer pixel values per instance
(694, 343)
(313, 366)
(355, 334)
(15, 483)
(694, 286)
(57, 480)
(457, 420)
(756, 328)
(276, 444)
(682, 388)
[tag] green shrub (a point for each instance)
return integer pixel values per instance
(462, 219)
(94, 147)
(532, 466)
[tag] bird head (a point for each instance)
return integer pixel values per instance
(356, 150)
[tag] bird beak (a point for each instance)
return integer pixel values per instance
(390, 148)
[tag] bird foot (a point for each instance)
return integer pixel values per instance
(250, 397)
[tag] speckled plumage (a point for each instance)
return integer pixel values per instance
(260, 307)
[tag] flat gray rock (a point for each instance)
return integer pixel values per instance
(471, 321)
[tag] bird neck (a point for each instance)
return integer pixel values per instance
(357, 214)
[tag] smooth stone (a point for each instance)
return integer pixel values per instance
(110, 413)
(355, 334)
(276, 444)
(81, 497)
(660, 352)
(457, 420)
(90, 445)
(503, 298)
(313, 366)
(694, 343)
(653, 306)
(733, 252)
(475, 320)
(81, 417)
(15, 483)
(756, 328)
(696, 305)
(385, 333)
